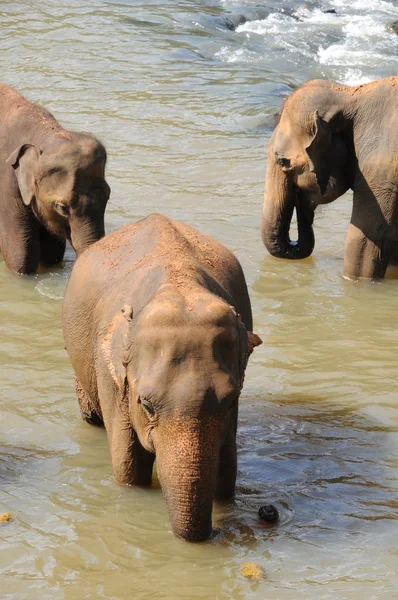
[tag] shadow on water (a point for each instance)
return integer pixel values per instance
(323, 464)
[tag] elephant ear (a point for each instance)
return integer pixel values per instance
(320, 152)
(247, 342)
(115, 347)
(24, 161)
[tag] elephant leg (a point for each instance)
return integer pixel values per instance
(20, 244)
(52, 249)
(227, 472)
(363, 257)
(227, 468)
(131, 463)
(370, 237)
(394, 254)
(89, 409)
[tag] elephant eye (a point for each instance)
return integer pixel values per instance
(283, 162)
(62, 209)
(56, 171)
(147, 406)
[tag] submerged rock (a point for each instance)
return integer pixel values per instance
(393, 27)
(233, 23)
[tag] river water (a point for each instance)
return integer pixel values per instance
(182, 94)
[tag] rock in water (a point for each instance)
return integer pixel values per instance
(252, 570)
(268, 513)
(393, 27)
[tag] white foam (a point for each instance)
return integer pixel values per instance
(342, 55)
(354, 43)
(367, 5)
(353, 77)
(52, 285)
(274, 23)
(225, 54)
(281, 23)
(366, 29)
(365, 44)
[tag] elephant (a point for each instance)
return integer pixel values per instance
(52, 186)
(157, 324)
(332, 138)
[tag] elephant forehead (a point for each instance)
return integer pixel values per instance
(192, 311)
(161, 313)
(295, 127)
(74, 154)
(213, 311)
(182, 340)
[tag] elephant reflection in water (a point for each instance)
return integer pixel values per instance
(332, 138)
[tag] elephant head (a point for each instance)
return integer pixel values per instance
(64, 184)
(180, 370)
(308, 164)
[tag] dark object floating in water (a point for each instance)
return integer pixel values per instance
(268, 513)
(331, 11)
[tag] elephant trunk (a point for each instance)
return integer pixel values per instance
(85, 233)
(187, 451)
(280, 199)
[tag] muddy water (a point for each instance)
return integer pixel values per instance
(183, 104)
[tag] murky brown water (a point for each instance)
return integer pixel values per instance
(181, 104)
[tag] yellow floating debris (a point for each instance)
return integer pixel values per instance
(5, 517)
(252, 570)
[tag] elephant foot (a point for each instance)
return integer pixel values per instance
(363, 257)
(89, 413)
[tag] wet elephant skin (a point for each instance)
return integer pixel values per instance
(52, 186)
(158, 326)
(331, 138)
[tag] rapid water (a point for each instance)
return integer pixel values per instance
(182, 93)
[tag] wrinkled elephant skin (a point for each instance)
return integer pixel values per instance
(158, 327)
(331, 138)
(52, 186)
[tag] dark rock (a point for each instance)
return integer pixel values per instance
(393, 27)
(234, 22)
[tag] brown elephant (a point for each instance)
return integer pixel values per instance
(332, 138)
(158, 327)
(52, 186)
